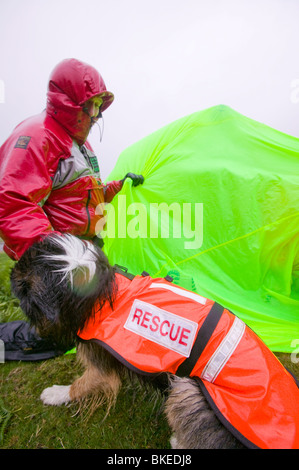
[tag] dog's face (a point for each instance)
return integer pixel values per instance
(58, 281)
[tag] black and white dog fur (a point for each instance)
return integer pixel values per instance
(58, 280)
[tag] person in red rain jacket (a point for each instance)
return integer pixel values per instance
(49, 174)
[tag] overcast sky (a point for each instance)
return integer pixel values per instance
(163, 59)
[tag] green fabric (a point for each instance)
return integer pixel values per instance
(244, 178)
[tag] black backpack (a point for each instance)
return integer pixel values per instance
(22, 343)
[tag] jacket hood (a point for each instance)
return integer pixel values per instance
(71, 83)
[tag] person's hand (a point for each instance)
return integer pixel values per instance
(137, 179)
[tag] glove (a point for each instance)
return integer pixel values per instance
(137, 179)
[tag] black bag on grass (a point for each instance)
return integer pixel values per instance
(22, 343)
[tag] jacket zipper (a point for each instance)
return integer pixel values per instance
(87, 211)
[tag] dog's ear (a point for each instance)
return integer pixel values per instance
(20, 286)
(41, 309)
(28, 286)
(22, 274)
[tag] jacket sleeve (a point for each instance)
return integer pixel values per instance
(25, 183)
(111, 189)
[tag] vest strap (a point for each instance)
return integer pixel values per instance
(123, 271)
(203, 336)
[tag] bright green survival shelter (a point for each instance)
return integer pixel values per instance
(219, 212)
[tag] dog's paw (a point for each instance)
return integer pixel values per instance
(56, 395)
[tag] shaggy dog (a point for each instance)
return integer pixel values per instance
(58, 281)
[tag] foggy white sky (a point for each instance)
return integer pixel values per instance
(163, 59)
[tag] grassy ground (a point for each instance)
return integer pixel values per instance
(35, 426)
(136, 421)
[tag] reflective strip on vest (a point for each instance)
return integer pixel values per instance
(183, 293)
(224, 351)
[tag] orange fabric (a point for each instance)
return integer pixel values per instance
(254, 394)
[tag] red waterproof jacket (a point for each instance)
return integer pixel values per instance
(157, 327)
(49, 176)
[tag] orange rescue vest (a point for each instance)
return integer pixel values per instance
(157, 327)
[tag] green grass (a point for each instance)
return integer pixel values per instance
(135, 422)
(131, 424)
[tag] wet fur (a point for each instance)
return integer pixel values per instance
(58, 305)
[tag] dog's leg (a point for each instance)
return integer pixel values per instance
(92, 382)
(192, 421)
(99, 379)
